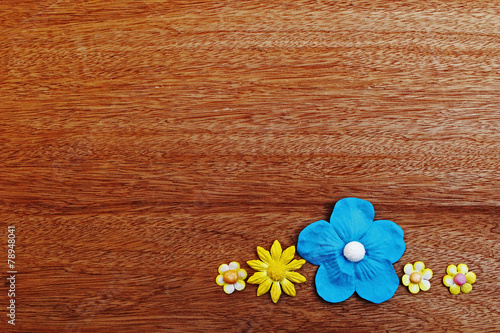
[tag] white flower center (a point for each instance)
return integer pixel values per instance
(354, 251)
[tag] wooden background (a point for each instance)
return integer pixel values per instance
(144, 143)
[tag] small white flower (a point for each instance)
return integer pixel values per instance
(417, 277)
(231, 277)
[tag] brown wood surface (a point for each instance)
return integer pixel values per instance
(144, 143)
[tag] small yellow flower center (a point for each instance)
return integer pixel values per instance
(276, 272)
(230, 277)
(415, 277)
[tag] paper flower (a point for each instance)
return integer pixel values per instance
(354, 253)
(276, 271)
(459, 279)
(231, 277)
(417, 277)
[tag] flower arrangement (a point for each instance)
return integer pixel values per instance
(354, 254)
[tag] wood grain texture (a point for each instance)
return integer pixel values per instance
(144, 143)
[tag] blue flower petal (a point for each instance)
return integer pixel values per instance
(344, 265)
(332, 284)
(376, 281)
(384, 240)
(351, 218)
(319, 243)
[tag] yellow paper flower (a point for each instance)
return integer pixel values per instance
(417, 277)
(459, 279)
(276, 271)
(231, 277)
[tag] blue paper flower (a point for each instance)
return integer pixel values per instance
(354, 253)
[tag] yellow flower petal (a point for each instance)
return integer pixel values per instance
(462, 268)
(466, 288)
(427, 274)
(406, 280)
(219, 280)
(275, 291)
(276, 251)
(239, 285)
(264, 286)
(424, 285)
(287, 255)
(413, 288)
(455, 289)
(229, 288)
(233, 265)
(223, 268)
(264, 255)
(257, 265)
(471, 277)
(295, 277)
(242, 274)
(448, 281)
(288, 287)
(258, 278)
(295, 264)
(419, 266)
(451, 270)
(408, 269)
